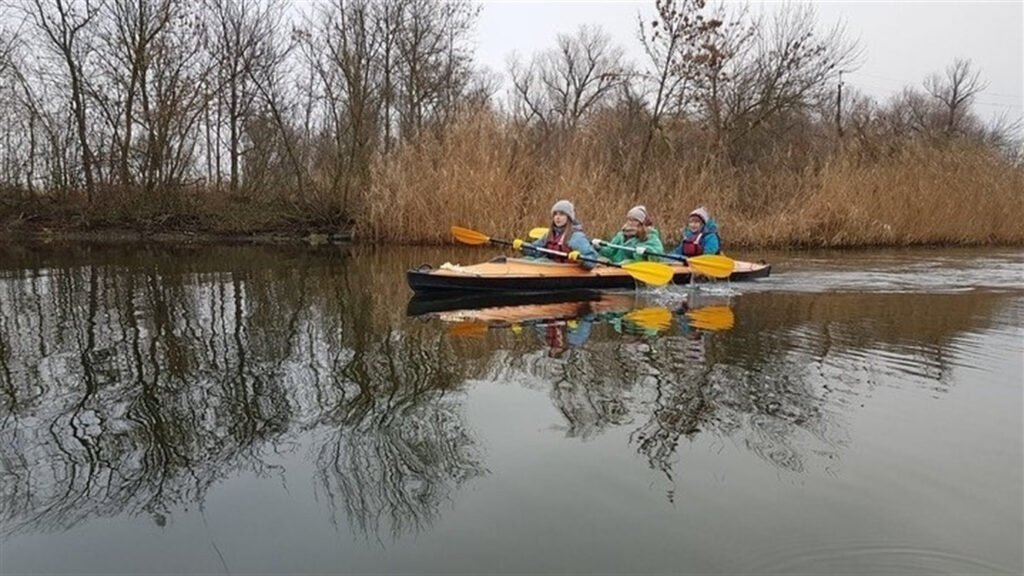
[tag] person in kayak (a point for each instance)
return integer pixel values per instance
(566, 235)
(638, 232)
(700, 236)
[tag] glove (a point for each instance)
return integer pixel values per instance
(597, 242)
(517, 244)
(574, 255)
(641, 251)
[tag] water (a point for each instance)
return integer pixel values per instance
(275, 410)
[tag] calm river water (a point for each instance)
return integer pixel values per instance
(291, 410)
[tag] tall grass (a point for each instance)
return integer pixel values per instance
(490, 175)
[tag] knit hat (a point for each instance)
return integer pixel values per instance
(565, 207)
(639, 213)
(701, 213)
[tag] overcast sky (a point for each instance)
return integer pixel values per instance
(902, 41)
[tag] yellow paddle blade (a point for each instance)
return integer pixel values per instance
(653, 273)
(469, 328)
(537, 233)
(652, 318)
(712, 265)
(717, 318)
(467, 236)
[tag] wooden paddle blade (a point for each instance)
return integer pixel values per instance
(716, 318)
(652, 318)
(537, 233)
(467, 236)
(712, 265)
(653, 273)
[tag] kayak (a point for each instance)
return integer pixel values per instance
(525, 314)
(478, 312)
(522, 275)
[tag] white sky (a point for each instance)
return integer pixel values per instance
(902, 41)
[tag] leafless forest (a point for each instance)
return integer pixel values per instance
(254, 116)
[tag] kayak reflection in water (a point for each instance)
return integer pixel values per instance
(698, 324)
(562, 335)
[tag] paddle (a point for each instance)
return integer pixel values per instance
(714, 318)
(712, 265)
(651, 318)
(652, 273)
(468, 328)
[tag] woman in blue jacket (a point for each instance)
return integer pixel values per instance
(566, 235)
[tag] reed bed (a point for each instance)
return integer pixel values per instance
(487, 175)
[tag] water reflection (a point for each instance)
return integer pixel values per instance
(134, 380)
(133, 386)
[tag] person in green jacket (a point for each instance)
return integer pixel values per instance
(638, 232)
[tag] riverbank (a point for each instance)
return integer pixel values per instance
(190, 220)
(915, 196)
(39, 233)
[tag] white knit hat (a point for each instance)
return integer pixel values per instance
(701, 213)
(565, 207)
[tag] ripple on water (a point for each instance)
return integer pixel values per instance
(898, 272)
(875, 559)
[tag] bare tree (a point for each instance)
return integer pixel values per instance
(240, 33)
(527, 99)
(433, 61)
(7, 45)
(673, 42)
(563, 85)
(129, 32)
(751, 75)
(62, 25)
(581, 73)
(955, 91)
(345, 53)
(273, 84)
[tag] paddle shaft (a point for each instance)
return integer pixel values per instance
(557, 253)
(651, 252)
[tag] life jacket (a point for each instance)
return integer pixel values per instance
(557, 242)
(692, 246)
(555, 336)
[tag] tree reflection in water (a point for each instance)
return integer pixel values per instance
(131, 381)
(133, 384)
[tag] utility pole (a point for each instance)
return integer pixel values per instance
(839, 107)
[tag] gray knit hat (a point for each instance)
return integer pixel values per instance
(565, 207)
(639, 213)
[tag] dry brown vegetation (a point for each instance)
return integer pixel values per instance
(370, 116)
(480, 175)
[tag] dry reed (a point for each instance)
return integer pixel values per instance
(486, 174)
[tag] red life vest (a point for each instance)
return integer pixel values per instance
(692, 246)
(555, 336)
(556, 242)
